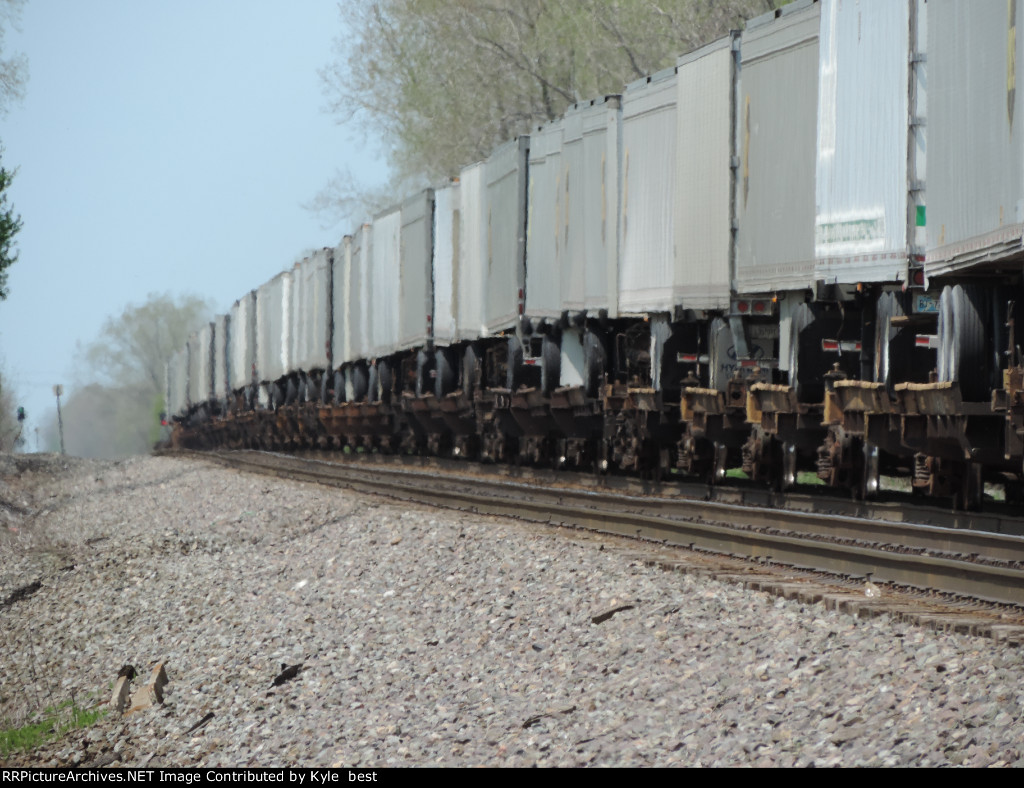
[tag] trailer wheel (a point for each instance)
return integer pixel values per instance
(551, 365)
(373, 384)
(890, 352)
(385, 380)
(444, 382)
(339, 388)
(802, 318)
(360, 383)
(515, 363)
(593, 364)
(962, 355)
(470, 379)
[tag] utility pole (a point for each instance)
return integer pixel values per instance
(57, 391)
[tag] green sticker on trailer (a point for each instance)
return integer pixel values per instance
(921, 217)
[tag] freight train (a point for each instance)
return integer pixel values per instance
(797, 250)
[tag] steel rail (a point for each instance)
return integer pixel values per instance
(982, 565)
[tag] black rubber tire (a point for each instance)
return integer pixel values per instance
(385, 379)
(802, 318)
(372, 384)
(593, 364)
(339, 388)
(470, 376)
(360, 383)
(425, 365)
(962, 351)
(551, 364)
(890, 351)
(945, 329)
(445, 379)
(515, 363)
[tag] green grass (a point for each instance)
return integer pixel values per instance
(804, 477)
(55, 722)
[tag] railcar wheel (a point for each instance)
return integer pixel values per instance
(870, 481)
(601, 464)
(970, 490)
(720, 455)
(785, 470)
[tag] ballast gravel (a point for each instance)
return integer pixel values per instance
(430, 637)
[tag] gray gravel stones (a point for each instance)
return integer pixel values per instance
(429, 637)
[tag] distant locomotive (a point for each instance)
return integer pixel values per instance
(799, 248)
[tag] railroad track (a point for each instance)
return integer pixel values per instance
(953, 577)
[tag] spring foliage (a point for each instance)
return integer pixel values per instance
(13, 76)
(10, 224)
(116, 403)
(442, 82)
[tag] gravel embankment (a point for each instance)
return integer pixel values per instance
(435, 638)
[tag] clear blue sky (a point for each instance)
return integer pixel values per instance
(161, 146)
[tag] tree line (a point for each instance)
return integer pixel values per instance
(440, 83)
(13, 77)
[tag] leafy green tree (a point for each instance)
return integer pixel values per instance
(114, 406)
(14, 68)
(133, 349)
(442, 82)
(13, 77)
(10, 427)
(10, 224)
